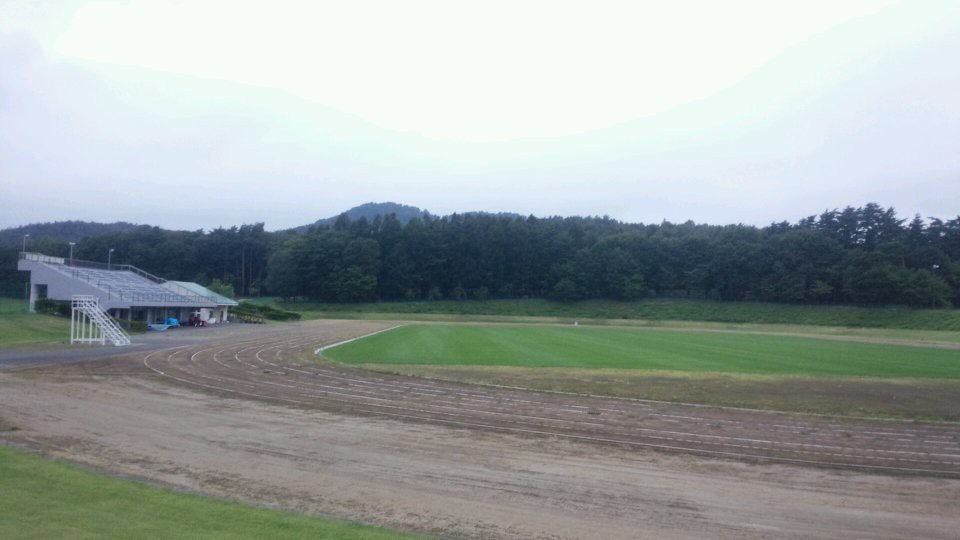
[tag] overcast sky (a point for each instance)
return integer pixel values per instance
(195, 114)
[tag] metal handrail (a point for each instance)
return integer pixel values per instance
(40, 257)
(88, 306)
(144, 273)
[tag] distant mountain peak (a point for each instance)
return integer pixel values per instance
(369, 211)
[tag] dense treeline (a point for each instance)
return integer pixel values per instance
(864, 256)
(58, 230)
(237, 256)
(858, 255)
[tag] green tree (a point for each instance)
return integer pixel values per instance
(923, 289)
(219, 287)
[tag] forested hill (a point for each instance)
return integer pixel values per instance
(865, 255)
(369, 211)
(69, 231)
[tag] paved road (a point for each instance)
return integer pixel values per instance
(35, 356)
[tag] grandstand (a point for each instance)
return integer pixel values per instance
(123, 291)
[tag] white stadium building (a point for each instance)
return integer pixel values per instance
(120, 291)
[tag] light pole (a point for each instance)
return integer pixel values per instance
(71, 252)
(26, 287)
(109, 257)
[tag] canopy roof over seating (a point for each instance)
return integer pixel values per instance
(200, 290)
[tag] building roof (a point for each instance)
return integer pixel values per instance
(200, 290)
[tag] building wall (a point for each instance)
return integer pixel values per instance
(61, 287)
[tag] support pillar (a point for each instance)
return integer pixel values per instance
(34, 296)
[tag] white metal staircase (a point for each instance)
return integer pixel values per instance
(90, 324)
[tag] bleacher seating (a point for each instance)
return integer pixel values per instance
(124, 284)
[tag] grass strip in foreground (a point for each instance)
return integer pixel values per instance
(646, 349)
(45, 499)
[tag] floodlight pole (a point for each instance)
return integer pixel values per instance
(71, 252)
(109, 258)
(26, 286)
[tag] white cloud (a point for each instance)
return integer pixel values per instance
(490, 70)
(746, 112)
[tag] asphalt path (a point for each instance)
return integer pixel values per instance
(62, 354)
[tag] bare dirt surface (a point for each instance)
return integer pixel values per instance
(911, 399)
(246, 414)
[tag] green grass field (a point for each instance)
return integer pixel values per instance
(17, 327)
(636, 349)
(45, 499)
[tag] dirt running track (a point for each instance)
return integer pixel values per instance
(246, 414)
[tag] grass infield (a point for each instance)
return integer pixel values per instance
(45, 499)
(661, 350)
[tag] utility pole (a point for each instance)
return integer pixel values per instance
(26, 286)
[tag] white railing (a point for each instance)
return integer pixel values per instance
(89, 324)
(40, 257)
